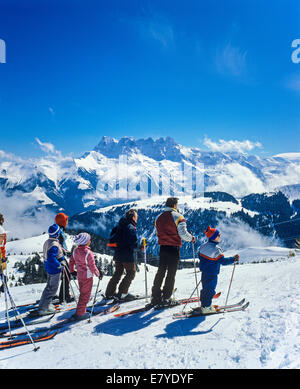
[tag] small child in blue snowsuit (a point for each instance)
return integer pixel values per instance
(211, 258)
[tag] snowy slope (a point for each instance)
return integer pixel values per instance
(266, 336)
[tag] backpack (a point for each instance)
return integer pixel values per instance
(113, 238)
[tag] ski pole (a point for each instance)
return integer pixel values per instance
(6, 305)
(99, 279)
(64, 286)
(145, 264)
(196, 280)
(191, 295)
(230, 284)
(15, 309)
(69, 281)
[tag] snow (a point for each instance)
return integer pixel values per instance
(266, 336)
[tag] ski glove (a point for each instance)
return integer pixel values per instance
(63, 263)
(101, 274)
(74, 274)
(236, 259)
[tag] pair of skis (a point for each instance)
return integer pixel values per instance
(43, 334)
(195, 312)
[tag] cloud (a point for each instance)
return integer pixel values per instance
(238, 235)
(51, 110)
(162, 33)
(47, 147)
(22, 218)
(237, 180)
(231, 60)
(231, 145)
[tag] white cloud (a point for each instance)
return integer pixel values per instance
(20, 217)
(236, 234)
(237, 180)
(231, 60)
(231, 145)
(47, 147)
(51, 110)
(163, 33)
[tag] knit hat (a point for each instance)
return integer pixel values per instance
(61, 219)
(82, 239)
(54, 231)
(211, 233)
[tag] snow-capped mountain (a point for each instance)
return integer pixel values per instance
(118, 171)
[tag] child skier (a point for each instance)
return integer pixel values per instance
(61, 220)
(211, 258)
(53, 262)
(83, 258)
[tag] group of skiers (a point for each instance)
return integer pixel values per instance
(171, 230)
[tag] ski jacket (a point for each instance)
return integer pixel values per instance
(84, 260)
(212, 257)
(53, 255)
(171, 228)
(126, 241)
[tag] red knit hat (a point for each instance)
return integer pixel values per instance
(211, 233)
(61, 219)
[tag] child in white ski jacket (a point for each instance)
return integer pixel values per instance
(84, 260)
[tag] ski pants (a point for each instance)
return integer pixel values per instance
(130, 270)
(64, 292)
(50, 290)
(85, 289)
(168, 263)
(209, 283)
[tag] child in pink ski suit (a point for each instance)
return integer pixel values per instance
(83, 258)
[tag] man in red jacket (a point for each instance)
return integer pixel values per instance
(171, 230)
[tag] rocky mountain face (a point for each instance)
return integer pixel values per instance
(261, 192)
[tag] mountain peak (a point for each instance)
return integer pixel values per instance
(159, 149)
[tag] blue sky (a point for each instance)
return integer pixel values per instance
(199, 71)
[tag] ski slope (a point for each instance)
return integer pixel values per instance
(266, 336)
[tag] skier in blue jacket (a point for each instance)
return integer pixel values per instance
(53, 263)
(211, 259)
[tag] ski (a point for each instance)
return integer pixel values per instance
(119, 301)
(149, 306)
(230, 305)
(60, 323)
(20, 342)
(18, 323)
(196, 313)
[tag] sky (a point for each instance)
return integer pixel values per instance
(215, 74)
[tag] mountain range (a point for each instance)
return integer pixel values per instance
(146, 167)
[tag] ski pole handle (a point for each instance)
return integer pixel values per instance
(144, 242)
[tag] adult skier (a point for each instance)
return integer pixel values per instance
(126, 243)
(171, 229)
(211, 258)
(54, 261)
